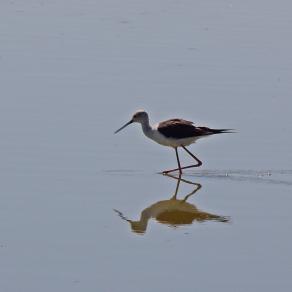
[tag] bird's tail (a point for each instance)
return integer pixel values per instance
(221, 131)
(207, 131)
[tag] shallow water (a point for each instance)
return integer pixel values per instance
(81, 208)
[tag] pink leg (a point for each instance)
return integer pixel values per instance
(199, 162)
(178, 162)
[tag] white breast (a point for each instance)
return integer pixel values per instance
(155, 135)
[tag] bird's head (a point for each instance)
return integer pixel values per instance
(139, 116)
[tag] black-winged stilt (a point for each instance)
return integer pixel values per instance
(173, 133)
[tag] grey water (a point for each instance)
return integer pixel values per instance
(81, 208)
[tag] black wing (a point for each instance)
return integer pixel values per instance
(179, 129)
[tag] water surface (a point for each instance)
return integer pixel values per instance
(73, 72)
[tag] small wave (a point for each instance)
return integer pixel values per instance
(271, 176)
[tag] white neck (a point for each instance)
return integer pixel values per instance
(146, 127)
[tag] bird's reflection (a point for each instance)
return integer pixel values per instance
(173, 212)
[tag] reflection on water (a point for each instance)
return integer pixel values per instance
(173, 212)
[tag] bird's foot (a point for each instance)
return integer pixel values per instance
(165, 172)
(180, 169)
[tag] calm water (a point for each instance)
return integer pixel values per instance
(80, 208)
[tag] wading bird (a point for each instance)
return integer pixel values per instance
(173, 133)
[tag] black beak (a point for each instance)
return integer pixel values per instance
(124, 126)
